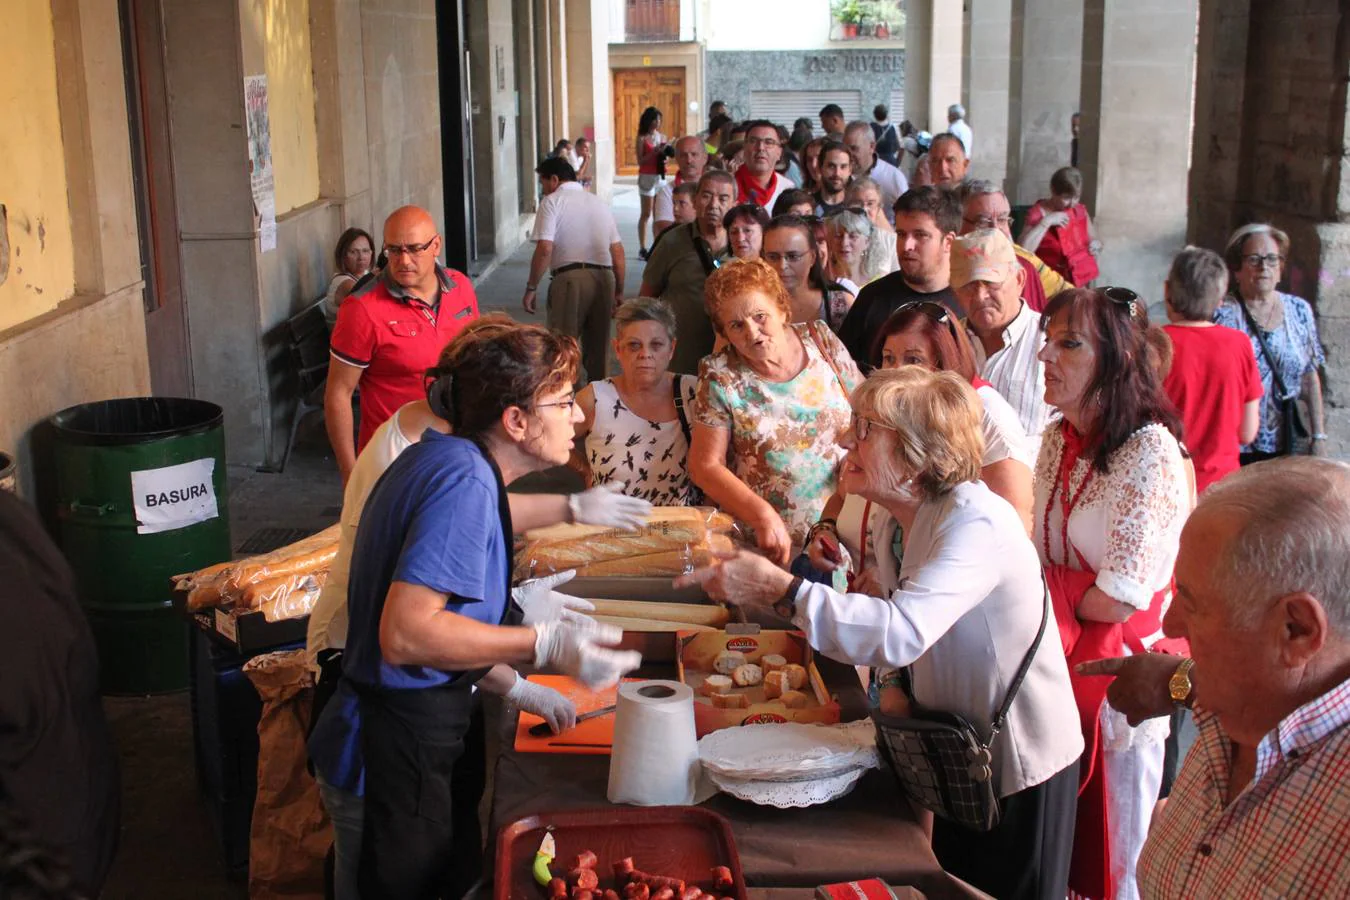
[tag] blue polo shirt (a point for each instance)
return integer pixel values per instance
(432, 520)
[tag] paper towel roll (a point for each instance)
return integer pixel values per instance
(655, 760)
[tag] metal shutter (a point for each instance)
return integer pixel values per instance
(897, 106)
(785, 107)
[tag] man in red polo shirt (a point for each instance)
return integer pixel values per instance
(390, 331)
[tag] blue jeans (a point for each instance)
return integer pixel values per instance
(347, 812)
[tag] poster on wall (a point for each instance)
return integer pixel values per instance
(260, 161)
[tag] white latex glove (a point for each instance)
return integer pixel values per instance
(607, 505)
(540, 603)
(543, 701)
(584, 653)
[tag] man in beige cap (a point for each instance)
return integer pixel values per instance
(1006, 333)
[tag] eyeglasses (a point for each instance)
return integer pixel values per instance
(392, 250)
(1269, 261)
(793, 257)
(762, 142)
(565, 404)
(861, 426)
(1122, 297)
(989, 221)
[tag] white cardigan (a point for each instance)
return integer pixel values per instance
(963, 610)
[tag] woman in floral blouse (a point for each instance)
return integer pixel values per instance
(769, 410)
(1256, 255)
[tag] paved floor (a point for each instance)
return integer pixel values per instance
(169, 848)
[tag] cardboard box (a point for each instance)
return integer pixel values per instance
(694, 662)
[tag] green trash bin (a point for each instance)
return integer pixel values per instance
(141, 497)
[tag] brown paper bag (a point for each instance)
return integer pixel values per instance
(291, 833)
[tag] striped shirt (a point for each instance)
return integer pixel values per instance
(1286, 835)
(1018, 375)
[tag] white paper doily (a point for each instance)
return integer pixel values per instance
(789, 750)
(790, 794)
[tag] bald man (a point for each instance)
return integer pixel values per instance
(391, 330)
(691, 158)
(862, 146)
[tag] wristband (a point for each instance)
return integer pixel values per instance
(1319, 436)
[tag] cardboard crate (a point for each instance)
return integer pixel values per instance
(694, 661)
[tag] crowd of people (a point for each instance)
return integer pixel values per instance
(955, 465)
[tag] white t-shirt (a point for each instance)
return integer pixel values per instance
(580, 225)
(328, 621)
(663, 204)
(962, 130)
(1004, 436)
(1015, 372)
(892, 182)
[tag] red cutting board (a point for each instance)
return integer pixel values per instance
(594, 736)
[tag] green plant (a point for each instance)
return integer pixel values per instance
(848, 12)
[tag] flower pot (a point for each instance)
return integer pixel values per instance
(850, 29)
(883, 30)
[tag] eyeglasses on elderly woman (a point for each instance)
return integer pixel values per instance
(861, 426)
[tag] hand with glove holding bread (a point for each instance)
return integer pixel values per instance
(607, 505)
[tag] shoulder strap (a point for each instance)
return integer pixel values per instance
(679, 411)
(1002, 715)
(1265, 350)
(704, 251)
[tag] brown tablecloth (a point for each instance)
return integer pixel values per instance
(869, 833)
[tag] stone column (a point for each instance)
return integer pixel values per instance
(588, 85)
(1045, 71)
(340, 109)
(986, 64)
(933, 67)
(1220, 89)
(1138, 66)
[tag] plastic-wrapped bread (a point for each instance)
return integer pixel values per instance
(634, 561)
(716, 684)
(747, 675)
(689, 531)
(661, 518)
(796, 676)
(775, 683)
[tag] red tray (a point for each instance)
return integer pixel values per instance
(676, 841)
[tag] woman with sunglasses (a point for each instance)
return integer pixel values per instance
(923, 334)
(790, 247)
(1284, 339)
(1112, 492)
(879, 257)
(425, 585)
(769, 409)
(959, 613)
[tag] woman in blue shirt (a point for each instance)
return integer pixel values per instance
(429, 598)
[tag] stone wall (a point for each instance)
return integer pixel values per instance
(732, 75)
(1271, 146)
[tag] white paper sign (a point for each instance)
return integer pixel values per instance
(174, 496)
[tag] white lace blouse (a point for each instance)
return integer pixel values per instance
(1127, 522)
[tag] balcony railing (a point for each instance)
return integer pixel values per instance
(651, 20)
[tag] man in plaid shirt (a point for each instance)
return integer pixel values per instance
(1261, 807)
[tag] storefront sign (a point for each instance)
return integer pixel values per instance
(862, 63)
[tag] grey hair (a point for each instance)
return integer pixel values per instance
(956, 109)
(862, 183)
(977, 187)
(1237, 242)
(1196, 283)
(645, 309)
(860, 126)
(1294, 536)
(852, 222)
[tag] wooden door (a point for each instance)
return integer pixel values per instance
(634, 91)
(165, 313)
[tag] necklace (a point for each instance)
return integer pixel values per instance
(1269, 316)
(1068, 501)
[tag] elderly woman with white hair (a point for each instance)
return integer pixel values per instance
(879, 257)
(1284, 339)
(961, 610)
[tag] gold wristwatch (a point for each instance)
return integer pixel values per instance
(1179, 685)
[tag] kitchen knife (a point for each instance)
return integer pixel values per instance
(542, 729)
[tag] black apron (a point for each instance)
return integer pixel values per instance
(425, 770)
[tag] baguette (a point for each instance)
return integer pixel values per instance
(671, 562)
(711, 519)
(693, 613)
(630, 624)
(275, 589)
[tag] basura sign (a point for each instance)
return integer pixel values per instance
(861, 63)
(175, 496)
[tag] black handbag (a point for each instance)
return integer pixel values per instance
(1291, 418)
(939, 758)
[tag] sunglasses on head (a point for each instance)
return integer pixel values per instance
(935, 311)
(1122, 297)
